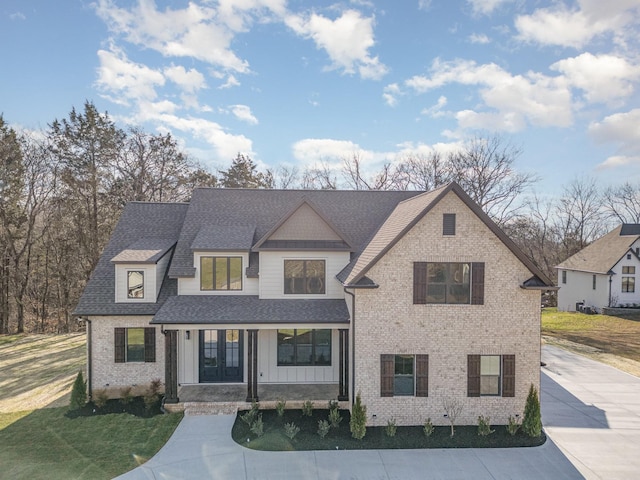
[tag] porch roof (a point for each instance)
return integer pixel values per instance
(249, 309)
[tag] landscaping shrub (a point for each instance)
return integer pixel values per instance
(428, 427)
(250, 415)
(78, 393)
(358, 422)
(125, 395)
(532, 422)
(307, 408)
(323, 428)
(280, 406)
(291, 430)
(334, 417)
(453, 408)
(100, 398)
(152, 394)
(257, 427)
(484, 426)
(513, 426)
(391, 428)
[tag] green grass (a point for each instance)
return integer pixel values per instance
(45, 444)
(274, 438)
(615, 335)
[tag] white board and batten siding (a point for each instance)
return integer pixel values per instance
(268, 369)
(272, 272)
(191, 285)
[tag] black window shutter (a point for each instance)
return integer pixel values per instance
(473, 375)
(422, 375)
(508, 375)
(449, 224)
(150, 344)
(419, 282)
(477, 283)
(387, 371)
(119, 344)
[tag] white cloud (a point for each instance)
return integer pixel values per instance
(515, 99)
(314, 150)
(435, 111)
(391, 94)
(346, 40)
(189, 81)
(243, 112)
(486, 7)
(620, 129)
(480, 38)
(424, 5)
(17, 16)
(602, 77)
(133, 81)
(576, 27)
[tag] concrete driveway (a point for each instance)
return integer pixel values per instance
(591, 414)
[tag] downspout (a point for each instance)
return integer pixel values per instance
(353, 343)
(610, 282)
(89, 344)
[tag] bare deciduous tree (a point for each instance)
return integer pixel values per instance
(623, 203)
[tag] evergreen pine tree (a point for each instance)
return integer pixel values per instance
(532, 422)
(358, 422)
(78, 393)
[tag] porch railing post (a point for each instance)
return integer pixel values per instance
(171, 366)
(252, 370)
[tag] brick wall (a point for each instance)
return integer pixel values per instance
(387, 322)
(111, 376)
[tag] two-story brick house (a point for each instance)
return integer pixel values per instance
(404, 297)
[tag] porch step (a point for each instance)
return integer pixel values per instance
(211, 408)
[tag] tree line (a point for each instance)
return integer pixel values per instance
(62, 191)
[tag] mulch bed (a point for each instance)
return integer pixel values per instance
(135, 407)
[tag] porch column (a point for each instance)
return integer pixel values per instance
(171, 366)
(252, 367)
(343, 355)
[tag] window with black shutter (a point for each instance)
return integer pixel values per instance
(134, 345)
(422, 375)
(448, 283)
(386, 375)
(508, 375)
(491, 375)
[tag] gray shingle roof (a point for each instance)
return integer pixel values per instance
(224, 237)
(243, 309)
(604, 253)
(151, 220)
(145, 250)
(356, 213)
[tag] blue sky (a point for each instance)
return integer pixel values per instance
(308, 82)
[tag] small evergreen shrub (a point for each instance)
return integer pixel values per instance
(125, 395)
(291, 430)
(100, 398)
(427, 427)
(280, 406)
(257, 427)
(334, 417)
(307, 408)
(78, 393)
(532, 422)
(152, 394)
(484, 426)
(358, 422)
(513, 425)
(333, 405)
(391, 428)
(323, 428)
(250, 415)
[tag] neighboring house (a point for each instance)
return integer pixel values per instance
(407, 298)
(602, 274)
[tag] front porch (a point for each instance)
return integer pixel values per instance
(217, 399)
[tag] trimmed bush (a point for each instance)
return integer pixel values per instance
(323, 428)
(532, 422)
(100, 398)
(513, 425)
(78, 393)
(280, 406)
(391, 428)
(358, 422)
(307, 408)
(291, 430)
(257, 427)
(484, 426)
(427, 427)
(125, 395)
(334, 417)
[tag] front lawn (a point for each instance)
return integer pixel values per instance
(47, 444)
(274, 438)
(612, 335)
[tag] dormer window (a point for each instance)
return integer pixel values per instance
(135, 284)
(305, 277)
(221, 273)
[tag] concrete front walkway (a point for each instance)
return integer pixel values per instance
(591, 414)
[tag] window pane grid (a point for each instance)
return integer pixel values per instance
(305, 277)
(304, 347)
(449, 283)
(135, 345)
(221, 273)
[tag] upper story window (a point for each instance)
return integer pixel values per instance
(629, 270)
(305, 277)
(220, 273)
(629, 283)
(135, 284)
(449, 224)
(451, 283)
